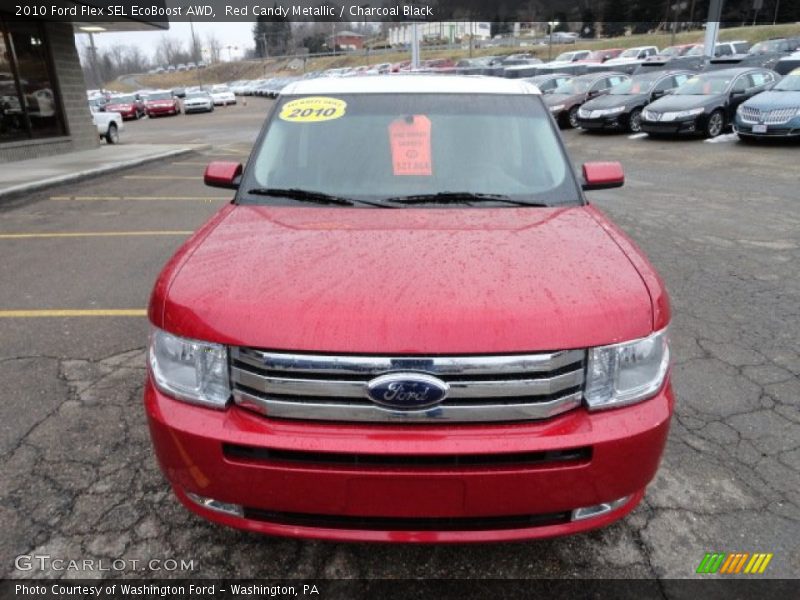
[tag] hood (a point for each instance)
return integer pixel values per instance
(622, 61)
(412, 281)
(672, 103)
(567, 99)
(613, 101)
(772, 100)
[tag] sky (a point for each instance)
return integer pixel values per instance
(238, 35)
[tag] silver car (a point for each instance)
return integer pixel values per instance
(200, 101)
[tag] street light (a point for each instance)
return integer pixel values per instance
(552, 25)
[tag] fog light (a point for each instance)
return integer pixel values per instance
(216, 505)
(589, 512)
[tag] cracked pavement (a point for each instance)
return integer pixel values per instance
(721, 223)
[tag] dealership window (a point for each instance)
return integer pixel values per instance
(29, 104)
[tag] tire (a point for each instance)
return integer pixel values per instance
(635, 121)
(112, 135)
(715, 124)
(572, 117)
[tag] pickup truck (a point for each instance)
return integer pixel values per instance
(108, 124)
(409, 325)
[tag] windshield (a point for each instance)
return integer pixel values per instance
(374, 147)
(122, 100)
(696, 51)
(630, 53)
(574, 86)
(636, 85)
(672, 51)
(706, 85)
(565, 57)
(203, 95)
(768, 46)
(790, 83)
(220, 88)
(160, 96)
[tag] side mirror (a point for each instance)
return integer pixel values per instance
(223, 174)
(602, 175)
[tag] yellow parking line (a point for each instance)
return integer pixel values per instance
(30, 314)
(135, 198)
(161, 177)
(82, 234)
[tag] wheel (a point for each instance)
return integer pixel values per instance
(715, 124)
(112, 135)
(572, 117)
(635, 121)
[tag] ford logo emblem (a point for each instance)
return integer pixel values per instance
(407, 391)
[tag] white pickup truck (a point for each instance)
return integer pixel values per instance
(108, 124)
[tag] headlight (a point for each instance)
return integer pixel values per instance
(672, 116)
(649, 115)
(556, 108)
(626, 373)
(583, 113)
(190, 370)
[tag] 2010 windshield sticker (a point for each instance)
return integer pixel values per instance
(410, 140)
(313, 109)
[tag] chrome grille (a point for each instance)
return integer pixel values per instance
(334, 388)
(777, 116)
(750, 115)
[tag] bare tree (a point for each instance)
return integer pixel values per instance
(214, 47)
(168, 49)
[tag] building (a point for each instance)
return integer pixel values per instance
(442, 31)
(346, 40)
(43, 104)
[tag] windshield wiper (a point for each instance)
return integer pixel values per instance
(458, 197)
(309, 196)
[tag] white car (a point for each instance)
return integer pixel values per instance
(108, 124)
(222, 95)
(198, 102)
(637, 54)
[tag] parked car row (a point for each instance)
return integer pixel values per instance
(190, 66)
(753, 101)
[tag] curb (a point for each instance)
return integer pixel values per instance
(102, 170)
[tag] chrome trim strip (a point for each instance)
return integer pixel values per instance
(435, 365)
(358, 389)
(344, 412)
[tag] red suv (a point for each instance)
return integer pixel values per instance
(161, 103)
(409, 325)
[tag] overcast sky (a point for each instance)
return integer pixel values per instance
(229, 34)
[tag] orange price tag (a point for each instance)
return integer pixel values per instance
(410, 139)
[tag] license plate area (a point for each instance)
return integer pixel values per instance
(759, 128)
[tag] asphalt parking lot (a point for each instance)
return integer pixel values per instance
(78, 479)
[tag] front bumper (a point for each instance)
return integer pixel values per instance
(689, 126)
(162, 110)
(391, 483)
(197, 108)
(790, 129)
(612, 122)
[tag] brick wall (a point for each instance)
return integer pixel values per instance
(82, 134)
